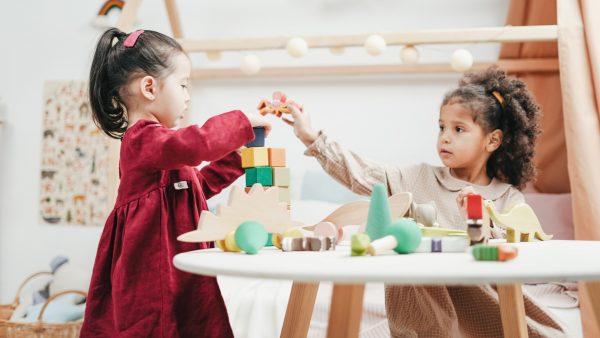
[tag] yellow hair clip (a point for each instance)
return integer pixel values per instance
(498, 97)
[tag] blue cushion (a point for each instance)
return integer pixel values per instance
(60, 310)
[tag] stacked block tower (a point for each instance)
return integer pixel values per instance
(266, 166)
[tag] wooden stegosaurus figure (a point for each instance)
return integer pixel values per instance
(259, 205)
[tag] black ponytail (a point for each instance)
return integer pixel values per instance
(499, 101)
(114, 65)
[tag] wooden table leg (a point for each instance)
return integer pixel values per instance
(593, 293)
(512, 310)
(299, 310)
(346, 310)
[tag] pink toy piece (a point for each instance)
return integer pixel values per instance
(326, 229)
(308, 243)
(279, 97)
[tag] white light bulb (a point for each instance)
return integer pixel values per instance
(337, 50)
(296, 47)
(213, 55)
(250, 65)
(375, 45)
(462, 60)
(409, 55)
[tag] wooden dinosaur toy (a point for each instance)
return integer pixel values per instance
(401, 205)
(258, 205)
(520, 222)
(355, 213)
(277, 107)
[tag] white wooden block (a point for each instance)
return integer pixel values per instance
(281, 177)
(284, 195)
(444, 244)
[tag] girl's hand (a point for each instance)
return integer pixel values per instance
(301, 123)
(461, 199)
(259, 121)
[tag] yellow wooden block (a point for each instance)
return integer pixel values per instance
(284, 195)
(281, 177)
(230, 243)
(293, 232)
(277, 157)
(255, 157)
(221, 245)
(276, 240)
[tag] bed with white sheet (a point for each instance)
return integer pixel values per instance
(257, 307)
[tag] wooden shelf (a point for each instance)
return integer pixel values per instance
(512, 66)
(446, 36)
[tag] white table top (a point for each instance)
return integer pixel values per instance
(551, 261)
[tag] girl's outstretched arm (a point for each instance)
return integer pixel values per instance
(350, 169)
(164, 149)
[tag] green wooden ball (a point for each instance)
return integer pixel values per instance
(407, 233)
(250, 237)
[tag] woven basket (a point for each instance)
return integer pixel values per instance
(6, 310)
(38, 329)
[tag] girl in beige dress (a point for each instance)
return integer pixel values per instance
(487, 132)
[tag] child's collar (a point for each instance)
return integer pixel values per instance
(492, 191)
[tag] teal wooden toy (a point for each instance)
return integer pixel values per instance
(262, 175)
(379, 217)
(269, 239)
(402, 236)
(250, 237)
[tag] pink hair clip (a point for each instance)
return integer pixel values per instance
(132, 38)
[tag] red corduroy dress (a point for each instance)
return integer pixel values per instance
(135, 290)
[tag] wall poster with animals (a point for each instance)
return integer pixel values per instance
(74, 176)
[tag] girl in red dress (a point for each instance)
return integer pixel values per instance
(138, 92)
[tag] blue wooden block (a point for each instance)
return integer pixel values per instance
(259, 138)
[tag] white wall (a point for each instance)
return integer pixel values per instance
(388, 118)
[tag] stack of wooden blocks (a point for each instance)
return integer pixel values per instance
(266, 166)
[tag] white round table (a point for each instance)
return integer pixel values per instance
(550, 261)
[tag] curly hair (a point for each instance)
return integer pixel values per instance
(517, 117)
